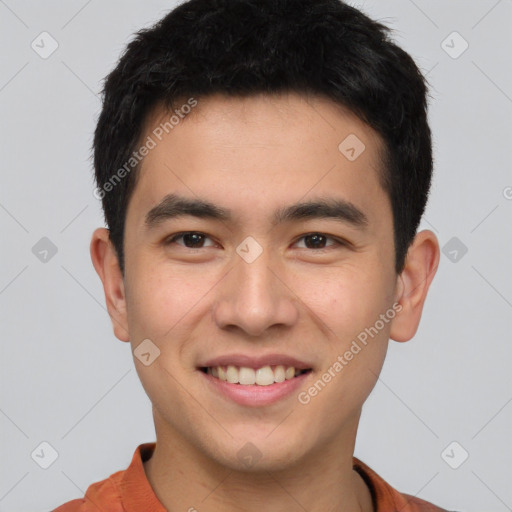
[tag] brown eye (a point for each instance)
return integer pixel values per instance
(191, 239)
(318, 241)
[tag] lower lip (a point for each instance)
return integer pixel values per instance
(254, 395)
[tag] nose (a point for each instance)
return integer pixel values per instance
(255, 296)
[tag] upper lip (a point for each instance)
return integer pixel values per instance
(251, 361)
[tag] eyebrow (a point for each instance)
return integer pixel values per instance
(173, 206)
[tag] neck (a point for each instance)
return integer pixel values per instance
(183, 478)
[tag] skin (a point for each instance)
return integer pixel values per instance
(253, 155)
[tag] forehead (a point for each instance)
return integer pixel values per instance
(258, 152)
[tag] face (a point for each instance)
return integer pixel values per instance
(254, 280)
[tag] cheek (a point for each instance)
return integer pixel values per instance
(346, 298)
(162, 300)
(355, 348)
(349, 304)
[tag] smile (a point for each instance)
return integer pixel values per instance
(245, 376)
(254, 387)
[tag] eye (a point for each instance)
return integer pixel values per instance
(196, 240)
(318, 240)
(191, 239)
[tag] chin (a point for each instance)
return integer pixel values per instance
(253, 454)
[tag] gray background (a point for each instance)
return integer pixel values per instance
(66, 380)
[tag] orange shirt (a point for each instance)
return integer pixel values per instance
(129, 491)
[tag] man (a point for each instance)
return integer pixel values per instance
(263, 167)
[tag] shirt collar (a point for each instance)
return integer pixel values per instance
(135, 490)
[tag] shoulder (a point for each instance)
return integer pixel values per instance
(99, 495)
(128, 486)
(386, 498)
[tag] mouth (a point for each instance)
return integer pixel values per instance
(246, 376)
(254, 387)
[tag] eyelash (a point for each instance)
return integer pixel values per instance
(338, 242)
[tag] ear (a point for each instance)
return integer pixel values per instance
(413, 283)
(105, 261)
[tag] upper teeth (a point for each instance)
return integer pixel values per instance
(249, 376)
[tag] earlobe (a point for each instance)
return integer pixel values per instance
(413, 284)
(105, 261)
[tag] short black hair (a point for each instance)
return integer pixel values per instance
(248, 47)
